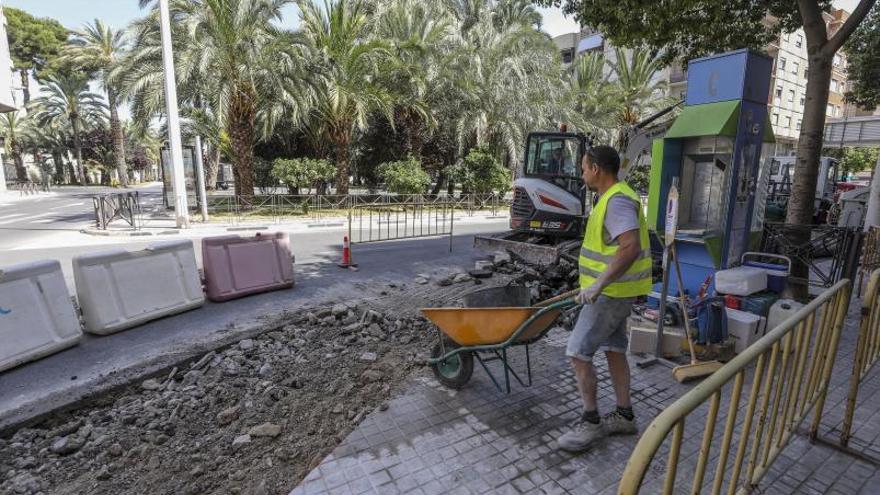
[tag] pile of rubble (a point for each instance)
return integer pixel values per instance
(251, 418)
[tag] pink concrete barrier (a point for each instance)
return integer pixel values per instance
(238, 266)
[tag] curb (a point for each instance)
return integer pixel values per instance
(126, 233)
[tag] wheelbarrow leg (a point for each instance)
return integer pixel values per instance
(506, 369)
(528, 365)
(491, 376)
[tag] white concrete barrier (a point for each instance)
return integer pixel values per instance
(121, 289)
(37, 317)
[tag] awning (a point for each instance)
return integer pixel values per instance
(590, 43)
(712, 119)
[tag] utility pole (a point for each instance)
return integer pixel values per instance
(178, 185)
(200, 179)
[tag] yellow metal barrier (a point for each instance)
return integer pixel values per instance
(792, 368)
(867, 351)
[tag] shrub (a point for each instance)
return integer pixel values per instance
(405, 176)
(297, 173)
(481, 173)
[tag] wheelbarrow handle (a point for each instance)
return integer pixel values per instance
(560, 297)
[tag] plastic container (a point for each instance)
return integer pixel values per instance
(777, 274)
(743, 327)
(780, 311)
(759, 303)
(741, 281)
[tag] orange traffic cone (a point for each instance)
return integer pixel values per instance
(347, 262)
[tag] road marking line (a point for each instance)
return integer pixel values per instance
(66, 206)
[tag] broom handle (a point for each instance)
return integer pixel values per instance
(560, 297)
(685, 317)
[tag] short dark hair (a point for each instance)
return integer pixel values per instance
(606, 158)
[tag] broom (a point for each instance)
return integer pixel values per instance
(696, 369)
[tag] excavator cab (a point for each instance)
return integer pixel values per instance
(549, 194)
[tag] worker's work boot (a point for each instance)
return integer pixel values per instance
(615, 424)
(582, 435)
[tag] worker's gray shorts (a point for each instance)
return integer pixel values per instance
(600, 326)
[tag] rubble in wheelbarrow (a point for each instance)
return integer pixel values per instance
(252, 417)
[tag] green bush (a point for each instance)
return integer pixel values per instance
(404, 177)
(481, 173)
(297, 173)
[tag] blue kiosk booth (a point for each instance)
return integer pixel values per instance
(719, 150)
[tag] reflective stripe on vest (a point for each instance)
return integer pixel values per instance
(595, 255)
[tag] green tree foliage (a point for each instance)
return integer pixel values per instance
(298, 173)
(404, 176)
(99, 47)
(863, 68)
(67, 99)
(33, 44)
(481, 173)
(855, 160)
(13, 128)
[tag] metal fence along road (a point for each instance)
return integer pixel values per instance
(408, 220)
(786, 374)
(830, 253)
(124, 206)
(278, 207)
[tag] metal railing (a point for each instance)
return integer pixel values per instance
(123, 206)
(408, 220)
(867, 354)
(830, 253)
(278, 207)
(790, 369)
(870, 255)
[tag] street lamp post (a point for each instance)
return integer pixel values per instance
(200, 178)
(178, 185)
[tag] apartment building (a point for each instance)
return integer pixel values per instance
(788, 85)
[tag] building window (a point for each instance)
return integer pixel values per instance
(799, 41)
(788, 122)
(781, 63)
(829, 110)
(803, 100)
(795, 68)
(779, 91)
(775, 118)
(567, 56)
(791, 96)
(837, 60)
(836, 110)
(799, 124)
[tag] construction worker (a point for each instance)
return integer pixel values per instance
(615, 269)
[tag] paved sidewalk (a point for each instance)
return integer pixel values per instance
(477, 440)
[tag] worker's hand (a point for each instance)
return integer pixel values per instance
(589, 294)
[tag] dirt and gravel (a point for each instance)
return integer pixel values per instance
(256, 416)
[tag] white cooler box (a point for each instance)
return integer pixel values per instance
(741, 281)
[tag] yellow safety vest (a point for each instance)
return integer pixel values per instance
(596, 255)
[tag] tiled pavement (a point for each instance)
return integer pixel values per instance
(478, 440)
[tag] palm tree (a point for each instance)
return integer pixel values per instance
(99, 47)
(639, 89)
(14, 126)
(347, 60)
(253, 68)
(591, 100)
(67, 98)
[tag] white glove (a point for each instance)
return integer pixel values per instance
(589, 294)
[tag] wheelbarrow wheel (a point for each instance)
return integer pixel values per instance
(455, 371)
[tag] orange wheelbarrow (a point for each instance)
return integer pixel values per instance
(493, 320)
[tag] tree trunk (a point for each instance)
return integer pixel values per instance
(341, 141)
(20, 169)
(77, 144)
(241, 134)
(59, 165)
(441, 180)
(118, 138)
(802, 202)
(872, 214)
(25, 85)
(212, 167)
